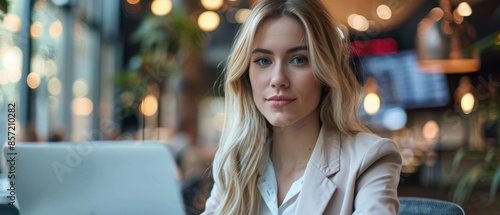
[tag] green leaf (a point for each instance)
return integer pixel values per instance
(489, 156)
(494, 184)
(465, 185)
(457, 159)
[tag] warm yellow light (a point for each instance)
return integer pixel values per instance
(55, 29)
(12, 23)
(54, 86)
(467, 103)
(457, 17)
(82, 106)
(358, 22)
(242, 15)
(33, 80)
(39, 5)
(208, 21)
(14, 75)
(80, 88)
(36, 30)
(436, 14)
(430, 130)
(161, 7)
(212, 4)
(38, 65)
(149, 105)
(384, 12)
(371, 103)
(133, 1)
(13, 59)
(464, 9)
(450, 65)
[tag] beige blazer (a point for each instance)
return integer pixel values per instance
(345, 175)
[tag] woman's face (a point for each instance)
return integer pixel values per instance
(283, 85)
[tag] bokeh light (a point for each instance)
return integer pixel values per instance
(51, 67)
(436, 14)
(13, 59)
(54, 86)
(464, 9)
(14, 75)
(371, 103)
(12, 23)
(133, 1)
(242, 15)
(149, 105)
(36, 30)
(212, 4)
(4, 79)
(208, 21)
(358, 22)
(467, 103)
(218, 121)
(394, 119)
(384, 12)
(38, 65)
(33, 80)
(80, 88)
(430, 131)
(55, 29)
(82, 106)
(161, 7)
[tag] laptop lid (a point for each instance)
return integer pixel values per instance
(94, 178)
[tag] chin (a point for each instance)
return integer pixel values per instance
(280, 122)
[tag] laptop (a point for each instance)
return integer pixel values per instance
(96, 178)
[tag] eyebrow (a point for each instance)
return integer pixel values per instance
(265, 51)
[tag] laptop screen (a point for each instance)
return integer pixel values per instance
(96, 178)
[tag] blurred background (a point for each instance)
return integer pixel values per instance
(81, 70)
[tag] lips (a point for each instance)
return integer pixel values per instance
(279, 101)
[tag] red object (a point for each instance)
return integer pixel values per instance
(374, 47)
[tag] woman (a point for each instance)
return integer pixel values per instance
(292, 141)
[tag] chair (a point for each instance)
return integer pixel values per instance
(8, 210)
(424, 206)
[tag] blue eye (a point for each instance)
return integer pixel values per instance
(299, 60)
(262, 61)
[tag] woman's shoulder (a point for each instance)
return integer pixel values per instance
(364, 149)
(364, 141)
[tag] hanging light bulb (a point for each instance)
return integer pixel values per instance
(444, 41)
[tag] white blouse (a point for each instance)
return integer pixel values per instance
(268, 188)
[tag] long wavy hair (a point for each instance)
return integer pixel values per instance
(244, 146)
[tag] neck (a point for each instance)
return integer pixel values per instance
(292, 146)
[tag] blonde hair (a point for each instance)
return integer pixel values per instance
(244, 145)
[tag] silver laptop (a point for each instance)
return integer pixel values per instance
(96, 178)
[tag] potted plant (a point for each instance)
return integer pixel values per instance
(165, 43)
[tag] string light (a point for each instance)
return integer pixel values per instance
(208, 21)
(161, 7)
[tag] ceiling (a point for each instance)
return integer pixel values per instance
(401, 10)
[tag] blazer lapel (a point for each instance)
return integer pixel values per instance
(318, 188)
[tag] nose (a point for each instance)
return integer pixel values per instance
(279, 77)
